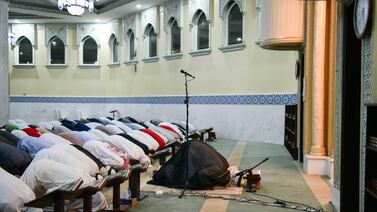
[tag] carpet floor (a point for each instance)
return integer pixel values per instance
(281, 178)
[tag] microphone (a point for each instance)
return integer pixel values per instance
(185, 73)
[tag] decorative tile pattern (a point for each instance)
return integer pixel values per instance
(203, 5)
(58, 30)
(26, 30)
(367, 67)
(173, 9)
(278, 99)
(92, 30)
(114, 29)
(129, 23)
(150, 16)
(224, 3)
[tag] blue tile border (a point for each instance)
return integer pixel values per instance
(270, 99)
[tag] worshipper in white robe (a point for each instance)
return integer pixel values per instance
(100, 135)
(107, 154)
(69, 155)
(56, 123)
(19, 134)
(171, 136)
(54, 139)
(122, 126)
(145, 139)
(44, 176)
(113, 130)
(105, 121)
(192, 128)
(33, 145)
(21, 124)
(43, 130)
(60, 129)
(85, 136)
(166, 140)
(93, 125)
(174, 127)
(103, 129)
(14, 193)
(46, 125)
(129, 148)
(72, 138)
(135, 126)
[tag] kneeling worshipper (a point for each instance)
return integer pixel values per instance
(172, 128)
(135, 141)
(93, 125)
(20, 124)
(122, 126)
(171, 136)
(72, 138)
(69, 155)
(13, 160)
(33, 145)
(44, 176)
(9, 138)
(19, 134)
(162, 140)
(108, 154)
(14, 193)
(145, 139)
(127, 147)
(206, 167)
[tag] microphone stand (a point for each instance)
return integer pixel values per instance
(187, 131)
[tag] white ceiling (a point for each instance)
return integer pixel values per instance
(46, 11)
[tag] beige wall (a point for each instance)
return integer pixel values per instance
(250, 71)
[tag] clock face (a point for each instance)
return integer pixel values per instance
(361, 16)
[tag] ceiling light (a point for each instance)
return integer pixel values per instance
(138, 6)
(76, 7)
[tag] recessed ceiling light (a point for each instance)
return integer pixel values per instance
(138, 6)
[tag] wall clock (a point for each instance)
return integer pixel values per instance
(361, 16)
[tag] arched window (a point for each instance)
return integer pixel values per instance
(203, 32)
(25, 51)
(150, 42)
(233, 38)
(200, 34)
(174, 37)
(56, 51)
(131, 46)
(114, 47)
(89, 51)
(234, 26)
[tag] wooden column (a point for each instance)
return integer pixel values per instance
(319, 70)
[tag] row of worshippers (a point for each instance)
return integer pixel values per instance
(52, 154)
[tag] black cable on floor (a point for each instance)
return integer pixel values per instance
(249, 199)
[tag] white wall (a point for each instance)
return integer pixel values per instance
(259, 123)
